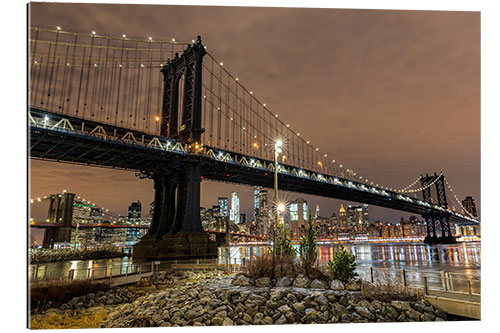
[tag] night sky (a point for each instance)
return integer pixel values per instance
(390, 94)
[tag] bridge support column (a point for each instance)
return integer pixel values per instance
(155, 222)
(446, 236)
(178, 233)
(431, 229)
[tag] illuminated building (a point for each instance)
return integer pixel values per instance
(223, 206)
(299, 215)
(134, 212)
(234, 214)
(342, 218)
(470, 206)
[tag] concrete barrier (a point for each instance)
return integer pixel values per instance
(456, 307)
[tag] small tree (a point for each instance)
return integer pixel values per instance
(283, 245)
(343, 265)
(307, 248)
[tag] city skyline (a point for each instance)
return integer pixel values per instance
(365, 115)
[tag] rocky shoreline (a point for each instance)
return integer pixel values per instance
(214, 299)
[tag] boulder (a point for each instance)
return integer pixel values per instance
(242, 280)
(401, 305)
(336, 285)
(227, 322)
(353, 285)
(263, 282)
(299, 306)
(302, 281)
(319, 284)
(284, 282)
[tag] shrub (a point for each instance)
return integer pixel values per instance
(343, 265)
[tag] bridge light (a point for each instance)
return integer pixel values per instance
(326, 155)
(142, 65)
(124, 36)
(298, 134)
(251, 92)
(173, 40)
(222, 64)
(317, 149)
(58, 28)
(150, 38)
(264, 105)
(340, 166)
(93, 32)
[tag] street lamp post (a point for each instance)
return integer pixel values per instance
(277, 150)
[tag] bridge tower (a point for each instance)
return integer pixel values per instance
(182, 83)
(433, 219)
(60, 213)
(176, 230)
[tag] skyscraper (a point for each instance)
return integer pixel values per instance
(134, 212)
(316, 213)
(223, 206)
(299, 215)
(342, 217)
(234, 214)
(256, 198)
(470, 206)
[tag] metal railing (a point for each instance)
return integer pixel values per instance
(39, 272)
(438, 283)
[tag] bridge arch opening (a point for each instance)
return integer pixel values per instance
(180, 102)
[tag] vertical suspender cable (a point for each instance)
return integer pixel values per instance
(120, 68)
(73, 65)
(53, 64)
(89, 66)
(45, 75)
(97, 70)
(65, 79)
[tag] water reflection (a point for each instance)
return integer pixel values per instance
(462, 258)
(456, 258)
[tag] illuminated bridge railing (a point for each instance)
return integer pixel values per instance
(63, 125)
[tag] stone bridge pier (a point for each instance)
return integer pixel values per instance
(176, 231)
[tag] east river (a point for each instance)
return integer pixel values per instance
(463, 260)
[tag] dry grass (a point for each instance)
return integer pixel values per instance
(54, 293)
(53, 320)
(389, 288)
(263, 267)
(284, 266)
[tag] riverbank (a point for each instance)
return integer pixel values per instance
(41, 256)
(214, 299)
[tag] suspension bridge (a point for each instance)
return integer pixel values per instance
(171, 112)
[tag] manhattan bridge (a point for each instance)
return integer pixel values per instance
(171, 112)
